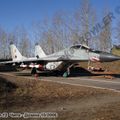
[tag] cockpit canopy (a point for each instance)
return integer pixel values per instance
(85, 47)
(80, 46)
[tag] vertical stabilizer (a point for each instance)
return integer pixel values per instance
(39, 53)
(16, 55)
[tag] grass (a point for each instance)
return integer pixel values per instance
(116, 51)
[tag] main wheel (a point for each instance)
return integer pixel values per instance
(33, 71)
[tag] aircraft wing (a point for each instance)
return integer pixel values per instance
(54, 58)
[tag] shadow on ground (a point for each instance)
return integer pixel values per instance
(6, 85)
(75, 72)
(7, 68)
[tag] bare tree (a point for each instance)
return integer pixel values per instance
(105, 34)
(84, 18)
(21, 38)
(117, 34)
(3, 44)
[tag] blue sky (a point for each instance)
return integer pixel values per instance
(23, 12)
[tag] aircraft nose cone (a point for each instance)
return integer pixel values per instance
(107, 57)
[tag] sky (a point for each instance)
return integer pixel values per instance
(23, 12)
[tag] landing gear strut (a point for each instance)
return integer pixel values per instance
(67, 72)
(33, 71)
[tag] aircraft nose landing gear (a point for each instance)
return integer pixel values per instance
(67, 73)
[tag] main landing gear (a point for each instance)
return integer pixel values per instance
(33, 71)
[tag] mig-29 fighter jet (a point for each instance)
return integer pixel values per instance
(65, 58)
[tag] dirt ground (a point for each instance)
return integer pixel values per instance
(70, 102)
(108, 66)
